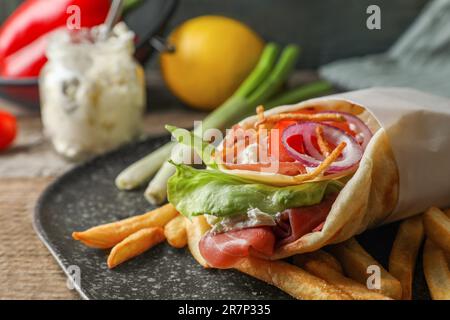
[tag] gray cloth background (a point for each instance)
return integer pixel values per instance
(419, 59)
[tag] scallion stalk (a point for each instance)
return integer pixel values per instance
(277, 77)
(157, 188)
(142, 170)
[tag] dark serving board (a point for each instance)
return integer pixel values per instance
(86, 196)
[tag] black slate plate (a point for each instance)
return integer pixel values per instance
(86, 196)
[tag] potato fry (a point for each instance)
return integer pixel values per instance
(355, 261)
(195, 229)
(175, 232)
(134, 245)
(402, 259)
(315, 265)
(437, 227)
(437, 273)
(291, 279)
(320, 255)
(108, 235)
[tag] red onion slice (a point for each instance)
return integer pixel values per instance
(363, 133)
(351, 155)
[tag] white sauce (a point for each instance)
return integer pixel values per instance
(249, 155)
(92, 92)
(253, 218)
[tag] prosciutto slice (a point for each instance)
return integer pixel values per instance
(294, 223)
(224, 250)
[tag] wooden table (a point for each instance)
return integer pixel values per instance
(27, 270)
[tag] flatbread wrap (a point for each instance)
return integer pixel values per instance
(342, 164)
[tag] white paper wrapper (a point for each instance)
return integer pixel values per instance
(418, 127)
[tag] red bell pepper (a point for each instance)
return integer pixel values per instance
(32, 22)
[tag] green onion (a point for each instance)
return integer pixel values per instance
(278, 76)
(237, 106)
(142, 170)
(156, 191)
(261, 71)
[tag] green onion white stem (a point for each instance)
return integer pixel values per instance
(156, 189)
(142, 170)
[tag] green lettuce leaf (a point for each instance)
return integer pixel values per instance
(195, 192)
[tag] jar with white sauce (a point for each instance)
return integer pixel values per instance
(92, 91)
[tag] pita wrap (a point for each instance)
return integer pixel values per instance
(405, 167)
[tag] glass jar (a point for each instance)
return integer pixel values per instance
(92, 91)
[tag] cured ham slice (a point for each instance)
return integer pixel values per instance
(224, 250)
(294, 223)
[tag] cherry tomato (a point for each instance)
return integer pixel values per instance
(8, 129)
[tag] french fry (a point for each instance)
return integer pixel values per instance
(108, 235)
(320, 255)
(195, 229)
(356, 261)
(437, 227)
(315, 265)
(291, 279)
(402, 259)
(437, 274)
(175, 232)
(134, 245)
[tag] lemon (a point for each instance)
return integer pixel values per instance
(213, 55)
